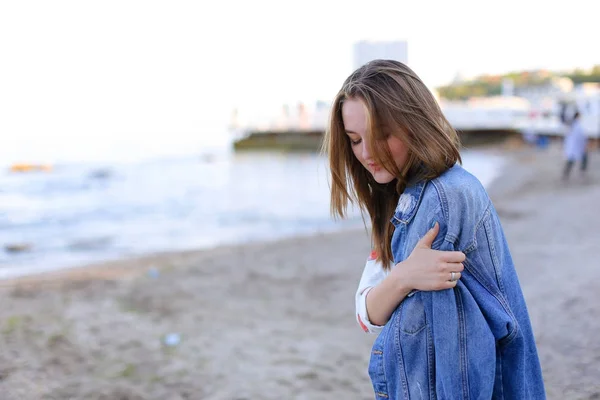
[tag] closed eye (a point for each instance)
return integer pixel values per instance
(351, 135)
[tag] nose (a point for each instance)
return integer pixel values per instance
(366, 153)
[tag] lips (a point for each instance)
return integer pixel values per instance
(374, 167)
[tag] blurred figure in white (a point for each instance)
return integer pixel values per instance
(575, 146)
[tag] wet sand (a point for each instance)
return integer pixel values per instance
(276, 320)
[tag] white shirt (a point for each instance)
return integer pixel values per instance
(372, 275)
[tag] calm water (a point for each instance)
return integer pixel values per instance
(88, 212)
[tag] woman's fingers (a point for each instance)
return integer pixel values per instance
(450, 284)
(427, 240)
(445, 267)
(452, 256)
(454, 276)
(448, 280)
(446, 283)
(456, 267)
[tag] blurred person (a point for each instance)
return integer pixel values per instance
(575, 147)
(447, 332)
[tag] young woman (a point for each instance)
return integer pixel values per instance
(449, 332)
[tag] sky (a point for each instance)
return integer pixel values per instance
(95, 77)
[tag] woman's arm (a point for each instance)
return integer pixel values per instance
(372, 276)
(425, 269)
(382, 300)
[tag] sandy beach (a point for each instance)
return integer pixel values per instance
(276, 320)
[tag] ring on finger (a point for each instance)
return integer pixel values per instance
(453, 276)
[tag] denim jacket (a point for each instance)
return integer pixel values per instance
(471, 342)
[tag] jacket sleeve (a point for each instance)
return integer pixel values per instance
(474, 325)
(372, 275)
(463, 344)
(447, 335)
(463, 350)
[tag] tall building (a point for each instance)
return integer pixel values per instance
(365, 51)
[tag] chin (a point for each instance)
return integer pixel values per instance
(383, 177)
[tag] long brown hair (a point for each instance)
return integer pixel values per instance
(397, 103)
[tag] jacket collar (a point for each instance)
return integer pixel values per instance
(408, 203)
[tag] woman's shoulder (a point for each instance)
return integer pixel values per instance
(457, 190)
(458, 182)
(454, 191)
(461, 202)
(457, 176)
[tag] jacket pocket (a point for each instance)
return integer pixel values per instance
(412, 315)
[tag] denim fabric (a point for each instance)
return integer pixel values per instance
(471, 342)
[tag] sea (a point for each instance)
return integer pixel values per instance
(83, 212)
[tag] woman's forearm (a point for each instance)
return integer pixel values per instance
(383, 299)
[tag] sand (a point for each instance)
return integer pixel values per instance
(276, 320)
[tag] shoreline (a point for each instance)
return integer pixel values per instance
(105, 268)
(272, 320)
(138, 265)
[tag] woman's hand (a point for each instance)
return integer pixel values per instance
(426, 269)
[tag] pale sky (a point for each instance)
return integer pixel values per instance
(96, 75)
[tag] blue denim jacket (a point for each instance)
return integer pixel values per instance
(471, 342)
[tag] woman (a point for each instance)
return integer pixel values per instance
(391, 150)
(575, 147)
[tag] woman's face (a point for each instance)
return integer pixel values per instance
(354, 116)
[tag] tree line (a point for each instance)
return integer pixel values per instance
(491, 85)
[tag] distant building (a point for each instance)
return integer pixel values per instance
(549, 90)
(365, 51)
